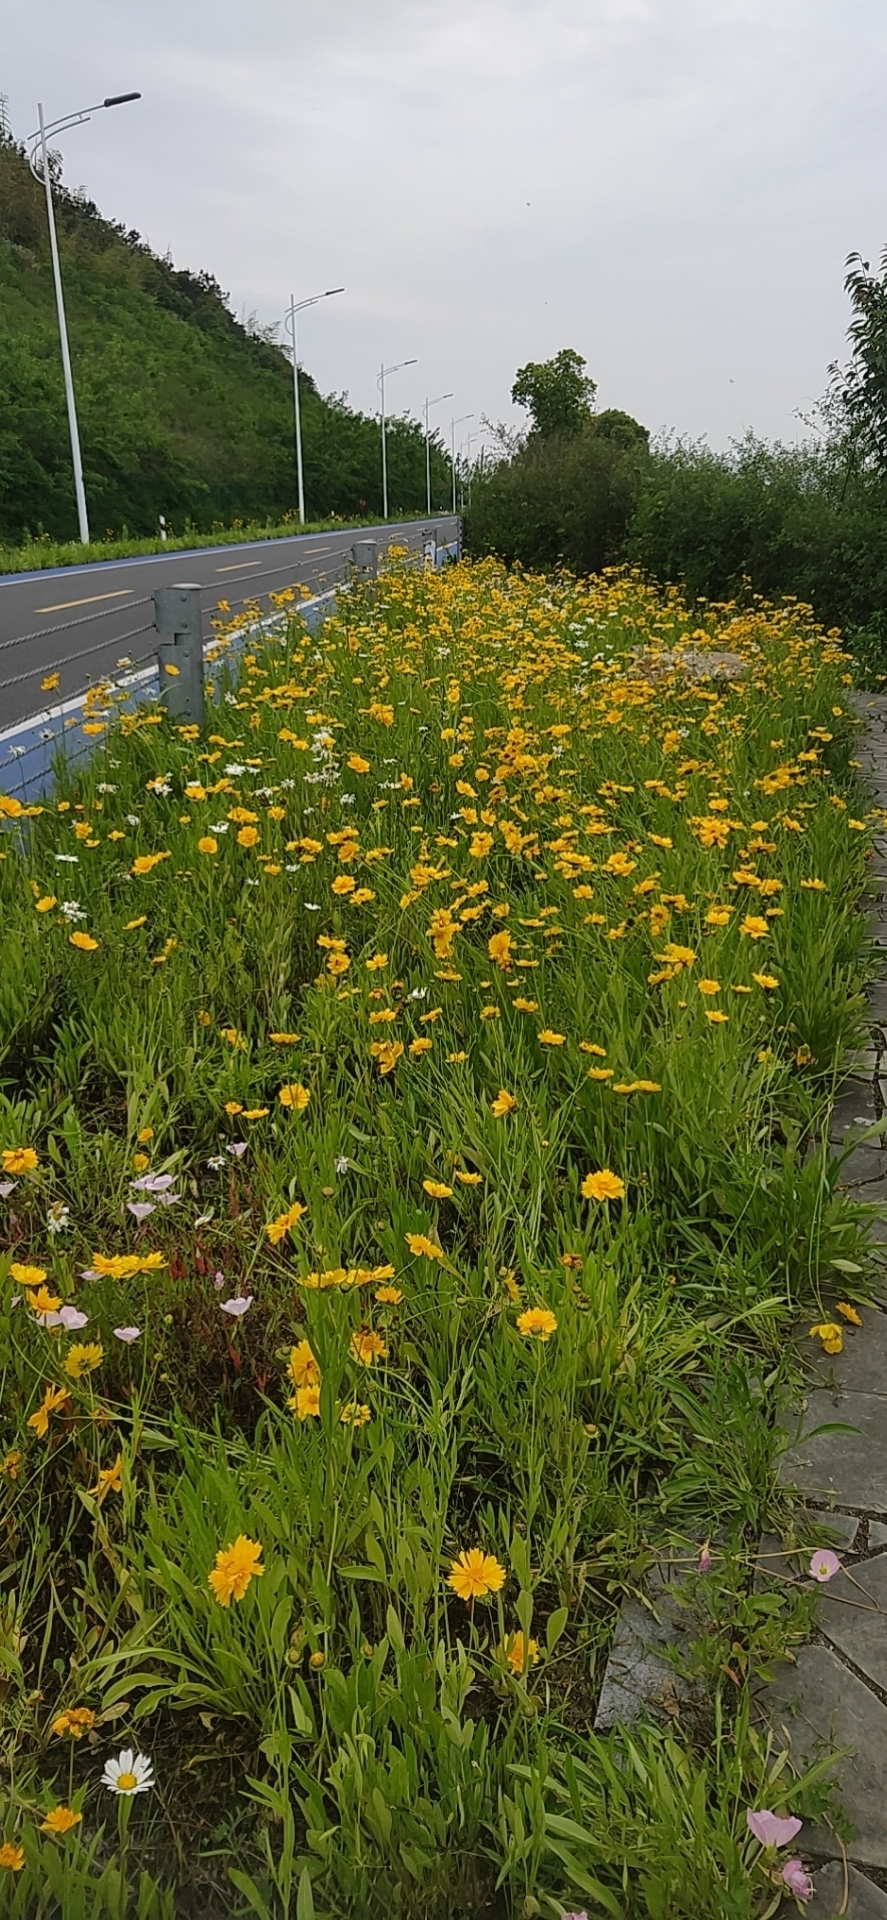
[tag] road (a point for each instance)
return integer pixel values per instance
(79, 621)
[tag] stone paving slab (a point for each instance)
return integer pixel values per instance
(853, 1616)
(877, 1534)
(849, 1467)
(821, 1704)
(638, 1676)
(860, 1368)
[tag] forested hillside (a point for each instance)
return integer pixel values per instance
(183, 410)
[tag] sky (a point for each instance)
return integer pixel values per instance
(671, 187)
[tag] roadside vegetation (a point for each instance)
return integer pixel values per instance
(34, 555)
(584, 489)
(412, 1143)
(184, 410)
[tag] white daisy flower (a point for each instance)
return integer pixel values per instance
(128, 1773)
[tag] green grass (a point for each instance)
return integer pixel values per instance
(44, 552)
(459, 845)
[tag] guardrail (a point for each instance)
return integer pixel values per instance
(31, 746)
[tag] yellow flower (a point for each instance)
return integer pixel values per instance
(146, 863)
(302, 1365)
(815, 886)
(343, 884)
(753, 927)
(600, 1073)
(468, 1179)
(43, 1301)
(354, 1414)
(73, 1722)
(420, 1046)
(474, 1574)
(718, 916)
(421, 1246)
(294, 1096)
(520, 1653)
(709, 986)
(386, 1054)
(847, 1312)
(60, 1820)
(12, 1857)
(132, 924)
(525, 1006)
(235, 1567)
(829, 1332)
(53, 1399)
(549, 1039)
(206, 844)
(437, 1189)
(375, 962)
(504, 1103)
(717, 1018)
(603, 1185)
(84, 941)
(110, 1480)
(305, 1402)
(284, 1039)
(27, 1276)
(537, 1323)
(47, 903)
(357, 763)
(389, 1296)
(500, 946)
(247, 836)
(81, 1360)
(338, 963)
(368, 1347)
(255, 1113)
(276, 1229)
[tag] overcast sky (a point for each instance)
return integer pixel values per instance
(669, 186)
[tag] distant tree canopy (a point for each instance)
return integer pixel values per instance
(182, 409)
(558, 394)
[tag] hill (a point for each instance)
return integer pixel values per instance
(183, 410)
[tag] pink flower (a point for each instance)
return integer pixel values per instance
(239, 1306)
(68, 1317)
(153, 1183)
(704, 1562)
(237, 1147)
(798, 1882)
(824, 1565)
(771, 1828)
(128, 1334)
(140, 1208)
(218, 1281)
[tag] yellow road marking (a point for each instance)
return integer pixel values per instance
(62, 605)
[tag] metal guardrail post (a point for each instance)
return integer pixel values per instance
(179, 622)
(364, 557)
(429, 546)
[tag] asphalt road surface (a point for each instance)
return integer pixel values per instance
(79, 622)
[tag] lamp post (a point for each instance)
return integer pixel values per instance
(37, 141)
(295, 307)
(383, 375)
(453, 425)
(430, 403)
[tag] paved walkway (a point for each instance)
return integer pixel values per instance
(836, 1694)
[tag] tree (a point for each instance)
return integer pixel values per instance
(558, 393)
(863, 384)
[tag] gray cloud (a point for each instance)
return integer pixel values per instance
(669, 185)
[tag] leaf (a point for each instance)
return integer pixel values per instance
(305, 1897)
(250, 1891)
(555, 1625)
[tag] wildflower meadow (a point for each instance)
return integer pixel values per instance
(412, 1128)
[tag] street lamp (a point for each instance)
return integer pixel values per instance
(38, 140)
(453, 425)
(430, 403)
(295, 307)
(383, 374)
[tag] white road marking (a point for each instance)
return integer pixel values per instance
(238, 566)
(62, 605)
